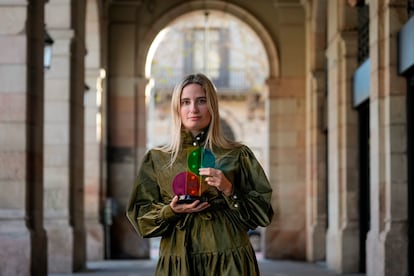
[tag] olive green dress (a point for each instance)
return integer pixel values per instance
(212, 242)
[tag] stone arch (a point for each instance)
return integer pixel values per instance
(243, 15)
(144, 28)
(238, 12)
(143, 51)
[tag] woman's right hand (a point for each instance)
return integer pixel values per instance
(183, 208)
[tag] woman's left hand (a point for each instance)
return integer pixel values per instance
(216, 178)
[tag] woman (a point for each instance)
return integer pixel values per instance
(207, 234)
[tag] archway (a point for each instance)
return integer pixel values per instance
(129, 46)
(230, 53)
(237, 64)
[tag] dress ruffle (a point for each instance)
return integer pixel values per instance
(236, 262)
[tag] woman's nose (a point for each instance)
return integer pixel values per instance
(194, 107)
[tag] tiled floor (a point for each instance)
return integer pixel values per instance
(147, 268)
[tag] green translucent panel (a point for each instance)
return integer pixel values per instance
(200, 158)
(194, 160)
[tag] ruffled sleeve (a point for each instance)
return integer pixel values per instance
(146, 210)
(251, 197)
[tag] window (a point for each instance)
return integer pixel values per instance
(206, 51)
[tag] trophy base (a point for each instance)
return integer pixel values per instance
(186, 199)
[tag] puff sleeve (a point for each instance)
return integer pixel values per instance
(251, 197)
(146, 210)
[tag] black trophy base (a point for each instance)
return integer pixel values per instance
(186, 199)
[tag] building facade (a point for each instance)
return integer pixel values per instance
(337, 124)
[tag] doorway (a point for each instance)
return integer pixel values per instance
(364, 179)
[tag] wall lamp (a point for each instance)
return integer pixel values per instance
(47, 54)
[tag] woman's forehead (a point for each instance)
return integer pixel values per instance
(193, 90)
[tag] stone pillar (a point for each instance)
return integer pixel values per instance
(22, 237)
(94, 79)
(57, 144)
(343, 230)
(126, 128)
(387, 238)
(77, 133)
(316, 196)
(285, 237)
(93, 137)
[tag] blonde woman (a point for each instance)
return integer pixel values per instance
(202, 192)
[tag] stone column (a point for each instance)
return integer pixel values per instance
(316, 194)
(343, 230)
(77, 133)
(93, 197)
(95, 78)
(387, 238)
(316, 197)
(22, 237)
(126, 127)
(285, 237)
(57, 144)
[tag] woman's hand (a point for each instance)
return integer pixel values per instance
(216, 178)
(181, 208)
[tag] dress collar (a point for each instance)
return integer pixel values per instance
(196, 141)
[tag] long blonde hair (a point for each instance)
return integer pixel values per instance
(215, 137)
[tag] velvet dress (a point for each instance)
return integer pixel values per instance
(212, 242)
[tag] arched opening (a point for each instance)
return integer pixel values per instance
(224, 48)
(227, 50)
(131, 101)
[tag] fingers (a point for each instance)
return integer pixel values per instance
(194, 207)
(210, 172)
(214, 177)
(174, 200)
(200, 207)
(213, 181)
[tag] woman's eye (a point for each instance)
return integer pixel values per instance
(202, 101)
(185, 102)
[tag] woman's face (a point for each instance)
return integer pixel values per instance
(193, 109)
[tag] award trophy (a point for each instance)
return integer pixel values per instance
(189, 185)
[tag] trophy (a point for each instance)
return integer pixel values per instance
(189, 185)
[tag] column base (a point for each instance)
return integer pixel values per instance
(95, 241)
(316, 243)
(15, 250)
(387, 252)
(60, 247)
(342, 250)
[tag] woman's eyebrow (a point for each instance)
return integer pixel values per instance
(202, 97)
